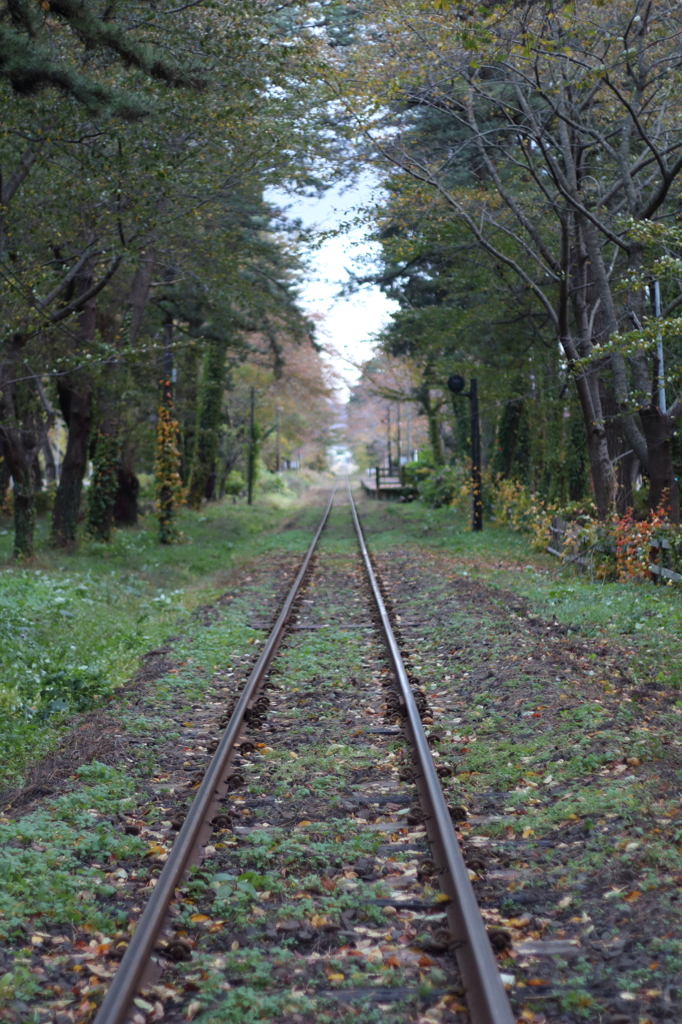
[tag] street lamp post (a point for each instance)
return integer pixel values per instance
(456, 384)
(250, 466)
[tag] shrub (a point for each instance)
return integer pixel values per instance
(234, 483)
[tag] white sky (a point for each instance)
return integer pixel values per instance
(349, 323)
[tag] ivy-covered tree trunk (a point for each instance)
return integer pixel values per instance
(203, 475)
(167, 464)
(104, 484)
(76, 406)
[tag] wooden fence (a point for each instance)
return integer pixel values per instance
(383, 483)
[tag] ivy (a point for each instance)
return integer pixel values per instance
(103, 486)
(169, 491)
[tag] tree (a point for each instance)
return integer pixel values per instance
(69, 268)
(566, 117)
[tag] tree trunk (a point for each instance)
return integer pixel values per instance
(579, 284)
(104, 482)
(125, 506)
(77, 409)
(75, 400)
(50, 464)
(662, 483)
(202, 480)
(20, 464)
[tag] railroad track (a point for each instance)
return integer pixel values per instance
(242, 874)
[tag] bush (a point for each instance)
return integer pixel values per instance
(447, 485)
(71, 691)
(234, 483)
(272, 483)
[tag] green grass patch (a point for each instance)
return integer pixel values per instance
(73, 626)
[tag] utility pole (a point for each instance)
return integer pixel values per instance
(456, 384)
(388, 436)
(250, 464)
(277, 450)
(659, 351)
(400, 450)
(408, 439)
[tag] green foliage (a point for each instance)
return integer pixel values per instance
(441, 486)
(72, 629)
(45, 856)
(33, 57)
(234, 483)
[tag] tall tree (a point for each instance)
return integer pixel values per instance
(568, 118)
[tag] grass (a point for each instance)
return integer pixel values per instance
(73, 626)
(649, 616)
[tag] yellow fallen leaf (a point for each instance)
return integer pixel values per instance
(442, 897)
(527, 833)
(199, 918)
(336, 977)
(519, 922)
(155, 849)
(563, 903)
(304, 822)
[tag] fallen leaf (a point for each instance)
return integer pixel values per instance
(563, 903)
(336, 977)
(199, 918)
(100, 971)
(192, 1010)
(328, 884)
(632, 896)
(304, 822)
(519, 922)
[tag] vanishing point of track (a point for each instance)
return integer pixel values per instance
(486, 999)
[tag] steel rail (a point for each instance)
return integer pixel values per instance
(116, 1004)
(486, 997)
